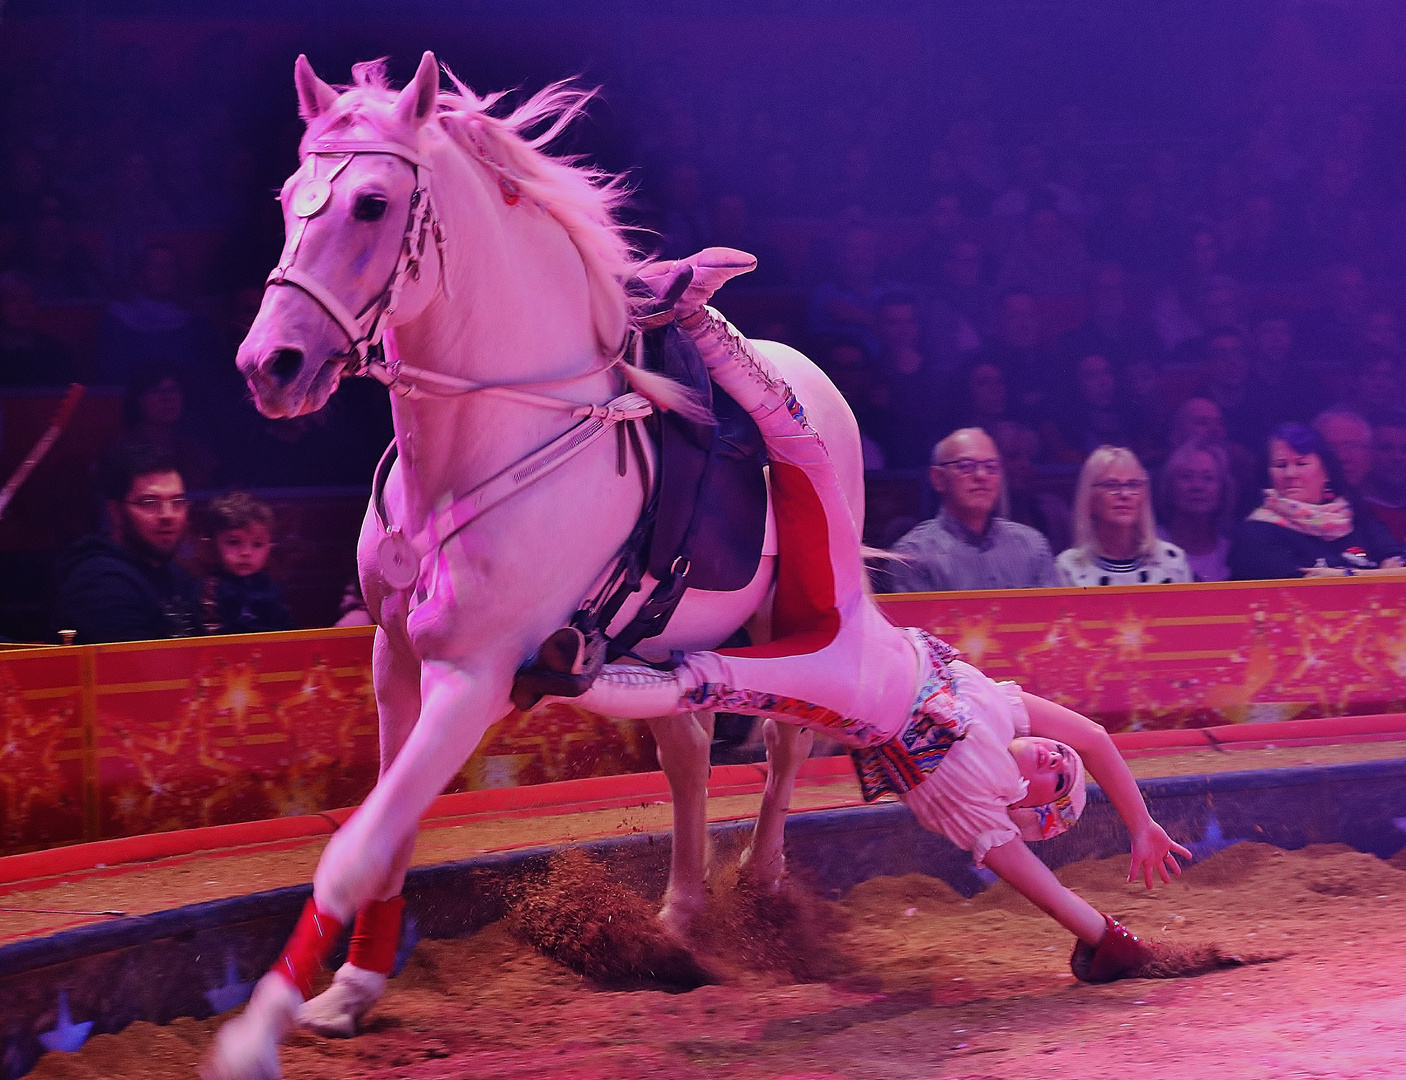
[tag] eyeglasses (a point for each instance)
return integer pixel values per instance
(968, 466)
(151, 505)
(1129, 487)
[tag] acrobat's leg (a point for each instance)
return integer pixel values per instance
(360, 982)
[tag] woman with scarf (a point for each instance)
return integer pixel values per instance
(1307, 525)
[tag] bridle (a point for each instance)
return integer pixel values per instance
(365, 329)
(401, 556)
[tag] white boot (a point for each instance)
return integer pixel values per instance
(246, 1048)
(336, 1011)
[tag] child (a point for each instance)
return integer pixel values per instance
(982, 763)
(240, 598)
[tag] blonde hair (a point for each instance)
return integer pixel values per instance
(1095, 468)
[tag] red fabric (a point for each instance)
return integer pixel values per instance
(376, 935)
(804, 616)
(307, 949)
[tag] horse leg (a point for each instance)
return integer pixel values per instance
(362, 860)
(683, 743)
(360, 982)
(787, 747)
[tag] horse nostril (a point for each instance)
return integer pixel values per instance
(285, 365)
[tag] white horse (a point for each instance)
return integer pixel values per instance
(497, 277)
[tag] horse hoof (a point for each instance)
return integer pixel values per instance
(763, 873)
(336, 1011)
(247, 1047)
(676, 916)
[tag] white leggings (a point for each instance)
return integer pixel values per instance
(836, 664)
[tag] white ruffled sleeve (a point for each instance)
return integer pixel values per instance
(967, 796)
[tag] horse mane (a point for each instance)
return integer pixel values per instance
(584, 200)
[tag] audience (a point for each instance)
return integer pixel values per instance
(240, 597)
(1043, 511)
(154, 414)
(1307, 525)
(1002, 276)
(1197, 503)
(1350, 438)
(969, 544)
(1385, 496)
(153, 325)
(917, 388)
(1115, 534)
(126, 585)
(28, 356)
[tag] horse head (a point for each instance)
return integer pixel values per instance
(362, 246)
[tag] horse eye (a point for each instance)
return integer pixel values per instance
(369, 208)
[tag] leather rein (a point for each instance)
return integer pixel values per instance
(400, 555)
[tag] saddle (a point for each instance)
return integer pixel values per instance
(702, 527)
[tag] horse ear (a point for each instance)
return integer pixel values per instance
(417, 101)
(315, 97)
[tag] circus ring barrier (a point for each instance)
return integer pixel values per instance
(1169, 664)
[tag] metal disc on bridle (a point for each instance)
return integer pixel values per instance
(400, 566)
(311, 196)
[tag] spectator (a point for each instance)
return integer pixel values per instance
(1199, 420)
(126, 586)
(152, 325)
(1275, 371)
(134, 212)
(969, 545)
(1016, 349)
(1135, 234)
(685, 227)
(1307, 526)
(28, 356)
(1265, 252)
(918, 390)
(1109, 329)
(240, 597)
(1225, 380)
(850, 369)
(848, 303)
(154, 414)
(963, 285)
(1096, 414)
(63, 270)
(1386, 483)
(941, 227)
(1350, 438)
(1376, 386)
(1043, 511)
(1047, 258)
(984, 400)
(1115, 534)
(1198, 508)
(1334, 332)
(1179, 310)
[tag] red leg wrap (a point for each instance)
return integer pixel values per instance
(376, 935)
(307, 949)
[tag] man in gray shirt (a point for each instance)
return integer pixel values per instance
(967, 546)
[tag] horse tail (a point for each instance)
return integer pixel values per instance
(667, 394)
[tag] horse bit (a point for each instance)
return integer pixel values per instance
(399, 555)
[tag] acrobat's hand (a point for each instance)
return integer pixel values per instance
(1155, 852)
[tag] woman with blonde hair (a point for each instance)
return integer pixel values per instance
(1115, 535)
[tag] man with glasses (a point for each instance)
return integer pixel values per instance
(968, 545)
(126, 586)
